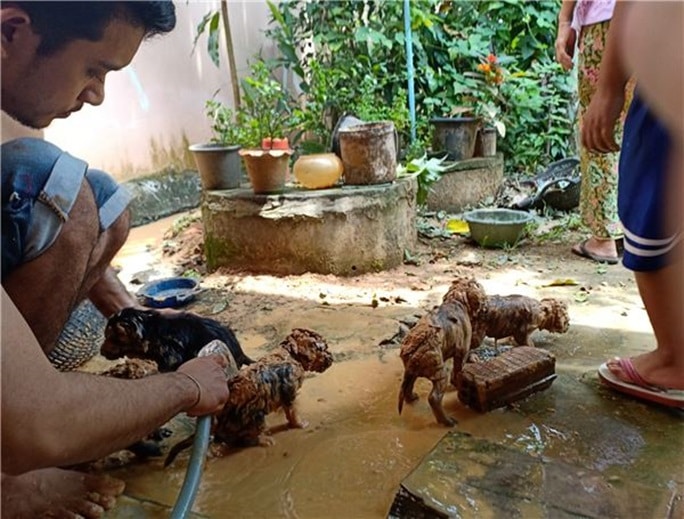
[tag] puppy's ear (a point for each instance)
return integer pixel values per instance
(138, 323)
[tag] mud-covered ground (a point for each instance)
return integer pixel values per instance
(357, 449)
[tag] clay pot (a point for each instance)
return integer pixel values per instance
(275, 143)
(218, 165)
(318, 171)
(369, 153)
(267, 169)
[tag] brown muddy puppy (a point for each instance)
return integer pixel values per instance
(131, 369)
(269, 384)
(443, 333)
(517, 316)
(168, 339)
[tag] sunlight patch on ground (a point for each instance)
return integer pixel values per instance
(333, 293)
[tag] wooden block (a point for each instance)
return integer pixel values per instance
(511, 376)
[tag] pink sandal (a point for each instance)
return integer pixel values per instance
(638, 387)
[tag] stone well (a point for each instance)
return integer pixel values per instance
(344, 231)
(466, 183)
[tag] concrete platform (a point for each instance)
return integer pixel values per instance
(581, 457)
(344, 231)
(466, 183)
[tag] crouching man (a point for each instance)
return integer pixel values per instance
(62, 223)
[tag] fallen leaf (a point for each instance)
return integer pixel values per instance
(581, 297)
(457, 226)
(218, 307)
(562, 283)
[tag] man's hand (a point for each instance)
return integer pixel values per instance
(598, 128)
(565, 45)
(209, 377)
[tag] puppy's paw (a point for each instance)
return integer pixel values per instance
(448, 421)
(299, 424)
(265, 440)
(219, 450)
(412, 397)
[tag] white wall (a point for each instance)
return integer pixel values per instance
(155, 106)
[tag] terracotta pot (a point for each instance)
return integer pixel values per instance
(369, 153)
(318, 170)
(218, 165)
(275, 143)
(267, 169)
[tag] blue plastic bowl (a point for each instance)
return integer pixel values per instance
(169, 292)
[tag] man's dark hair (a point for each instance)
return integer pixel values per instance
(58, 23)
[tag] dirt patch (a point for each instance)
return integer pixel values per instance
(541, 265)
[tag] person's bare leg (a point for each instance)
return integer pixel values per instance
(663, 298)
(655, 29)
(58, 493)
(67, 270)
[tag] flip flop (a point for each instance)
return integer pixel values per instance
(582, 251)
(638, 387)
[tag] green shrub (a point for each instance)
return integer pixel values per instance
(350, 57)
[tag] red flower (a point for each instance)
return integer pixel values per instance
(491, 58)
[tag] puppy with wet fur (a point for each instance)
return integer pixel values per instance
(269, 384)
(168, 339)
(517, 316)
(443, 333)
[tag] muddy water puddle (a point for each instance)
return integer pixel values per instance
(348, 462)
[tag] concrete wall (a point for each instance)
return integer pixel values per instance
(155, 107)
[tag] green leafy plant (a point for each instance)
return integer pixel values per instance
(487, 97)
(227, 126)
(347, 64)
(365, 40)
(267, 111)
(427, 172)
(267, 105)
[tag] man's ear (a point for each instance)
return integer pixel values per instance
(15, 26)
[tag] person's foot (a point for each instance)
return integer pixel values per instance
(58, 493)
(653, 369)
(597, 250)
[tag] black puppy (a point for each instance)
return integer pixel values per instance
(168, 339)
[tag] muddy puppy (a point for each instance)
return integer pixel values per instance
(518, 316)
(168, 339)
(443, 333)
(271, 383)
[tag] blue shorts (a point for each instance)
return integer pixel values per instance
(642, 183)
(40, 183)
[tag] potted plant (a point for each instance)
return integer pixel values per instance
(218, 161)
(488, 101)
(258, 127)
(267, 116)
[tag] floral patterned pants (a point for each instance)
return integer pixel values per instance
(599, 171)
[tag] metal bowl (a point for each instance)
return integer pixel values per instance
(497, 227)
